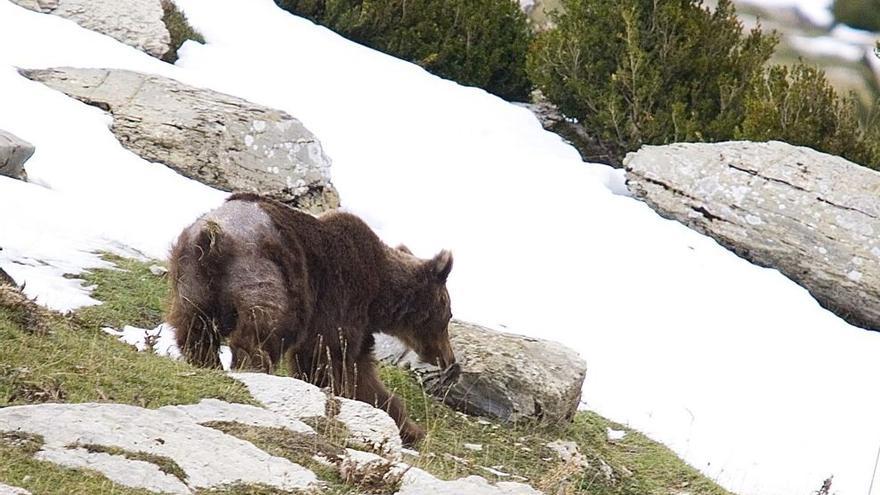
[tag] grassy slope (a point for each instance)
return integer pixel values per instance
(69, 359)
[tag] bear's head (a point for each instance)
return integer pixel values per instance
(424, 326)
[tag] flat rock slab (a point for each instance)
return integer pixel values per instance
(368, 426)
(14, 152)
(11, 490)
(417, 482)
(362, 466)
(209, 458)
(136, 23)
(812, 216)
(219, 140)
(504, 376)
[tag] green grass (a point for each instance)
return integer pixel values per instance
(638, 465)
(19, 468)
(49, 357)
(131, 295)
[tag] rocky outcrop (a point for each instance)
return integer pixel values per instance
(504, 376)
(136, 23)
(366, 425)
(217, 139)
(812, 216)
(119, 440)
(191, 448)
(14, 152)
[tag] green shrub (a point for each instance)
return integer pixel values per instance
(861, 14)
(479, 43)
(179, 29)
(636, 72)
(798, 105)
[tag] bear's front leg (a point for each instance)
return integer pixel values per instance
(371, 390)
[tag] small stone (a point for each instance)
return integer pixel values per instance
(157, 270)
(568, 452)
(615, 435)
(473, 446)
(14, 152)
(495, 471)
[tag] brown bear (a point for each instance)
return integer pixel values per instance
(278, 282)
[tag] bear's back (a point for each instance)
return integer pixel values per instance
(241, 221)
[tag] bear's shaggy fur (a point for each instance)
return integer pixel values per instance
(276, 281)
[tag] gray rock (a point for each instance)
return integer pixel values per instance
(569, 453)
(812, 216)
(207, 457)
(159, 271)
(367, 426)
(11, 490)
(209, 410)
(504, 376)
(358, 467)
(418, 482)
(217, 139)
(136, 23)
(14, 152)
(42, 6)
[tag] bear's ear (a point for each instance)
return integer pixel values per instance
(442, 265)
(404, 249)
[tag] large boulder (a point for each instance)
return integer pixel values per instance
(136, 23)
(14, 152)
(217, 139)
(504, 376)
(812, 216)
